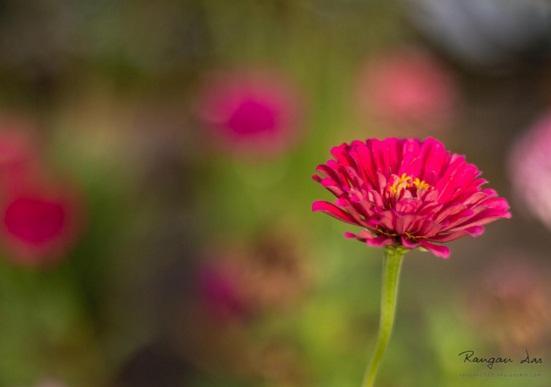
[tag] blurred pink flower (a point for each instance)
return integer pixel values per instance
(254, 113)
(219, 291)
(407, 192)
(39, 222)
(18, 154)
(530, 169)
(510, 302)
(407, 89)
(241, 282)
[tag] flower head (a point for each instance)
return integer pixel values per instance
(407, 192)
(39, 222)
(250, 112)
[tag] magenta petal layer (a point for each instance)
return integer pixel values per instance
(408, 192)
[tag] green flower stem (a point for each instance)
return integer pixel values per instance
(394, 257)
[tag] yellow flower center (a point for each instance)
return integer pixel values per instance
(407, 182)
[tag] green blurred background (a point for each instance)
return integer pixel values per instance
(198, 262)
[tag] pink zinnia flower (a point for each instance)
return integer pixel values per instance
(530, 169)
(407, 192)
(251, 112)
(39, 223)
(408, 89)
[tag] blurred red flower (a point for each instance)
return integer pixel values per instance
(41, 216)
(254, 113)
(408, 192)
(408, 89)
(39, 222)
(220, 291)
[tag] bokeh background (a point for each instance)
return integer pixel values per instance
(155, 190)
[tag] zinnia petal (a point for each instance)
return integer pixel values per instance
(438, 250)
(332, 210)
